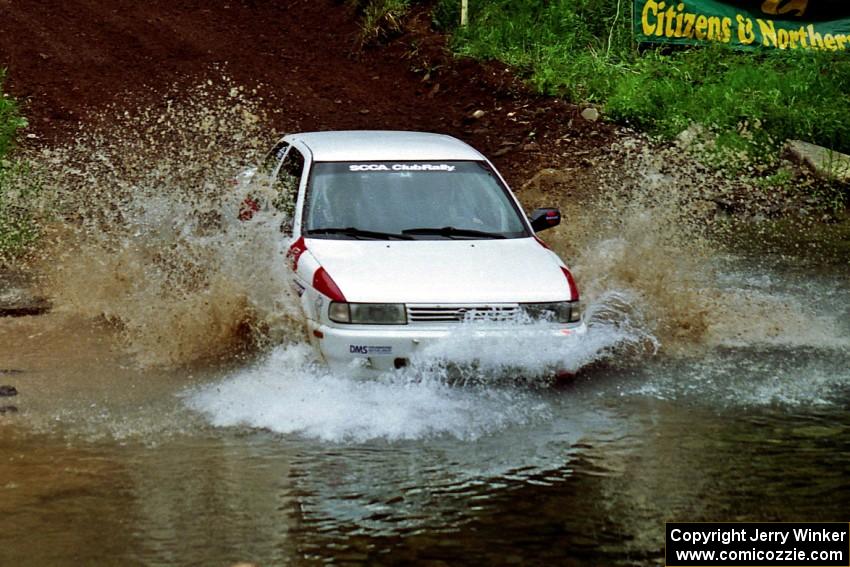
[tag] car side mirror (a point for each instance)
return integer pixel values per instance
(541, 219)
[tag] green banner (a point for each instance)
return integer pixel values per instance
(772, 24)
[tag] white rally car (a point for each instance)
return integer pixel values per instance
(398, 239)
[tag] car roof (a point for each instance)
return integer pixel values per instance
(384, 145)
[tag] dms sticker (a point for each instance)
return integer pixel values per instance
(401, 167)
(368, 349)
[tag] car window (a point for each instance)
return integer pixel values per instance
(275, 184)
(288, 179)
(392, 197)
(272, 158)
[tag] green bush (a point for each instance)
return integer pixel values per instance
(19, 194)
(379, 19)
(10, 120)
(16, 225)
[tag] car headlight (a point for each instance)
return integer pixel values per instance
(368, 313)
(556, 312)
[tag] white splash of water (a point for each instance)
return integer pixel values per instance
(290, 392)
(616, 328)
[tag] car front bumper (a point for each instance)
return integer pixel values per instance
(370, 350)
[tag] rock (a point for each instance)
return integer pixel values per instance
(8, 409)
(824, 163)
(478, 114)
(630, 144)
(16, 299)
(27, 307)
(726, 205)
(817, 431)
(8, 391)
(691, 134)
(590, 114)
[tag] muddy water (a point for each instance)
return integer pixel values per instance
(275, 460)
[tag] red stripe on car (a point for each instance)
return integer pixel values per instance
(572, 283)
(324, 284)
(298, 247)
(541, 243)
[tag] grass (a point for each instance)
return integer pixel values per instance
(582, 50)
(560, 46)
(763, 99)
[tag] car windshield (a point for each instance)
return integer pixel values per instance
(409, 200)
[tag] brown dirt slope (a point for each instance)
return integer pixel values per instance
(69, 58)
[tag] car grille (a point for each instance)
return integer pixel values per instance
(458, 313)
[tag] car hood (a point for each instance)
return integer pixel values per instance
(442, 271)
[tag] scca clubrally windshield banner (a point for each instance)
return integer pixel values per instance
(770, 24)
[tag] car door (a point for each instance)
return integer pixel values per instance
(291, 185)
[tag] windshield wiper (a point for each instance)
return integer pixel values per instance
(358, 233)
(451, 231)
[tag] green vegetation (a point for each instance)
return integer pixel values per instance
(379, 18)
(10, 120)
(582, 49)
(561, 45)
(16, 226)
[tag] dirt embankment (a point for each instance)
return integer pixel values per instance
(67, 59)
